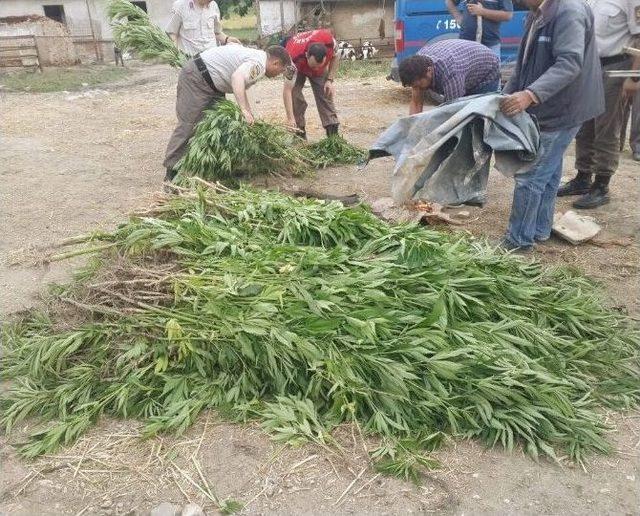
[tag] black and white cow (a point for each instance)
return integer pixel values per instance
(368, 50)
(346, 51)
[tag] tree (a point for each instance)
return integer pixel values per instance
(240, 7)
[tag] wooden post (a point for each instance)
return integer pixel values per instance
(256, 6)
(35, 44)
(282, 16)
(295, 14)
(93, 33)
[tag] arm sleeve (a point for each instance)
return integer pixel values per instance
(633, 16)
(568, 51)
(217, 24)
(175, 22)
(251, 71)
(290, 75)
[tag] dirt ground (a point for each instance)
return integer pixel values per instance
(72, 163)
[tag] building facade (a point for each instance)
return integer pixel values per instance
(86, 20)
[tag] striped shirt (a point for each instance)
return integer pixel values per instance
(460, 67)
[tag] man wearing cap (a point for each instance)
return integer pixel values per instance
(195, 26)
(204, 80)
(315, 57)
(617, 25)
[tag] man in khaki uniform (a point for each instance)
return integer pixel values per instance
(617, 25)
(204, 81)
(195, 26)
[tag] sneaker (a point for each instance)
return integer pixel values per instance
(508, 246)
(598, 196)
(636, 156)
(574, 187)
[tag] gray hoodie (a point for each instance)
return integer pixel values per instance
(560, 65)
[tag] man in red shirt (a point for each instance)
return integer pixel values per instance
(315, 57)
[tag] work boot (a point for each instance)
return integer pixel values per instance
(598, 196)
(332, 130)
(579, 185)
(170, 175)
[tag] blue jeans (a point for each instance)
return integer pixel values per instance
(534, 196)
(496, 49)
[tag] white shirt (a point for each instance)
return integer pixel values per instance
(195, 26)
(616, 22)
(223, 62)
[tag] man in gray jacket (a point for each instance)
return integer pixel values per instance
(558, 79)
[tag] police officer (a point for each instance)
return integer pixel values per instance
(204, 81)
(617, 25)
(195, 26)
(315, 57)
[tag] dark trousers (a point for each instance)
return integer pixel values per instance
(194, 97)
(598, 141)
(326, 107)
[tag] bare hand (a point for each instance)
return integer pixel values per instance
(475, 9)
(630, 88)
(515, 103)
(234, 41)
(291, 125)
(248, 116)
(329, 89)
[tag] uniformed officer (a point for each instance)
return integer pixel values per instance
(617, 25)
(195, 26)
(315, 57)
(204, 80)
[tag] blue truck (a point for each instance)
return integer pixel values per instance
(418, 22)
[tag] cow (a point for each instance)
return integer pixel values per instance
(368, 50)
(346, 51)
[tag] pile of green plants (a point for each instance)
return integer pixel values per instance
(134, 31)
(306, 315)
(225, 146)
(333, 151)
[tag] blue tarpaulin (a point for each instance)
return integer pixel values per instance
(444, 154)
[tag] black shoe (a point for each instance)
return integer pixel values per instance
(575, 187)
(597, 196)
(170, 175)
(332, 130)
(506, 245)
(302, 134)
